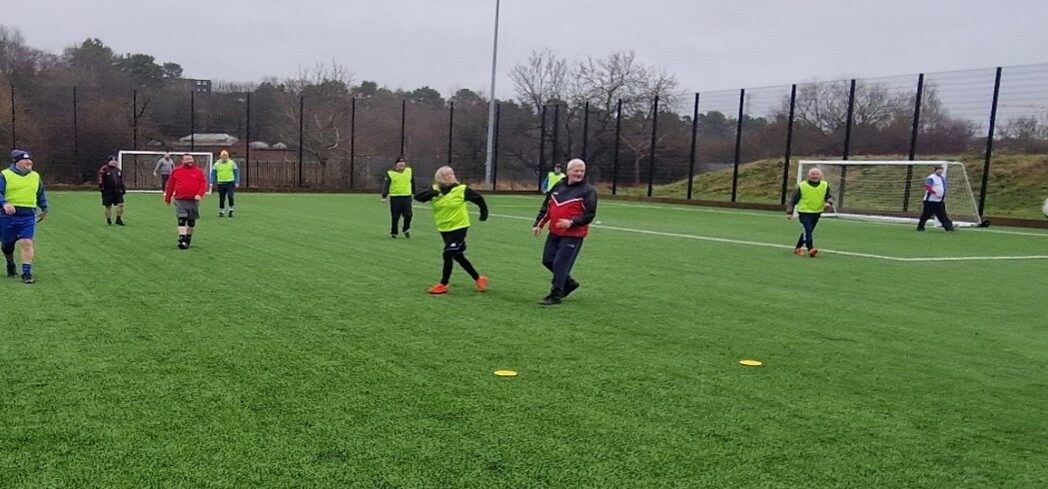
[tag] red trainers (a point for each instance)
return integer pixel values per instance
(812, 252)
(799, 252)
(438, 289)
(482, 283)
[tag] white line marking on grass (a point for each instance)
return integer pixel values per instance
(787, 247)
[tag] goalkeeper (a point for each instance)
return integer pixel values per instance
(811, 198)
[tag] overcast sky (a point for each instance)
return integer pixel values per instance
(446, 44)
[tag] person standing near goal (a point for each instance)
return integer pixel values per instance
(21, 193)
(935, 200)
(399, 186)
(569, 208)
(187, 186)
(811, 198)
(449, 199)
(111, 184)
(225, 175)
(164, 166)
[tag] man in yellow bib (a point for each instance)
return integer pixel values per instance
(811, 198)
(21, 193)
(399, 186)
(225, 176)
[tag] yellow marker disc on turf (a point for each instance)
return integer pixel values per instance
(751, 363)
(506, 373)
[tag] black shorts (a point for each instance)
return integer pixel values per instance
(454, 240)
(112, 198)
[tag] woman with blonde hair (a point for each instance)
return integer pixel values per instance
(449, 198)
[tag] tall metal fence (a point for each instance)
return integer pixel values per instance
(732, 146)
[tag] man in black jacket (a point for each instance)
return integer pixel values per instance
(111, 184)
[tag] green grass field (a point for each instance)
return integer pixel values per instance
(294, 346)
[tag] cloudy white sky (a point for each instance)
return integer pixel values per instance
(446, 44)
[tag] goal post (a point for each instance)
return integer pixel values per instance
(893, 190)
(138, 167)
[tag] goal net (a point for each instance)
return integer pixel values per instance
(138, 167)
(893, 190)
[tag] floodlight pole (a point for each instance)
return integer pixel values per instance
(491, 102)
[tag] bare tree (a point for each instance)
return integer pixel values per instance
(540, 79)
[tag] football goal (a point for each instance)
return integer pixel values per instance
(893, 190)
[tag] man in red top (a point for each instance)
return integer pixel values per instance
(570, 207)
(187, 185)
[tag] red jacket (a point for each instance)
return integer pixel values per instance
(576, 202)
(185, 183)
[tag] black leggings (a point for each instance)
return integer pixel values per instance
(455, 250)
(225, 190)
(400, 206)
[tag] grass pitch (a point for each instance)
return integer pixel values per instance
(294, 346)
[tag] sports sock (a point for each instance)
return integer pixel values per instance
(27, 268)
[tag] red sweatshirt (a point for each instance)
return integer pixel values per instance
(576, 202)
(186, 182)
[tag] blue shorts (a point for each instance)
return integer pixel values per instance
(14, 228)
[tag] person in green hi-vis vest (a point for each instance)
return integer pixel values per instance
(21, 194)
(552, 178)
(811, 198)
(225, 176)
(449, 199)
(399, 186)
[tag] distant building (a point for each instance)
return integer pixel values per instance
(207, 140)
(201, 86)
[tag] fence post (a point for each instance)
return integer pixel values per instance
(76, 141)
(495, 148)
(913, 141)
(14, 133)
(192, 120)
(301, 132)
(585, 133)
(989, 140)
(403, 124)
(556, 135)
(789, 145)
(738, 147)
(847, 143)
(451, 129)
(654, 136)
(134, 120)
(247, 138)
(352, 142)
(542, 146)
(694, 137)
(618, 141)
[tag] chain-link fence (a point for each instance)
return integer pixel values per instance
(732, 146)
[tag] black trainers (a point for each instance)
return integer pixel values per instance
(551, 300)
(570, 287)
(392, 236)
(27, 278)
(230, 213)
(11, 271)
(407, 234)
(109, 222)
(182, 244)
(119, 222)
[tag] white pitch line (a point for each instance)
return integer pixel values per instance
(782, 246)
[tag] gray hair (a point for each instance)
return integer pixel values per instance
(576, 163)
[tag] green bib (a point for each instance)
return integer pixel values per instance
(552, 178)
(21, 189)
(399, 183)
(449, 210)
(812, 198)
(224, 171)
